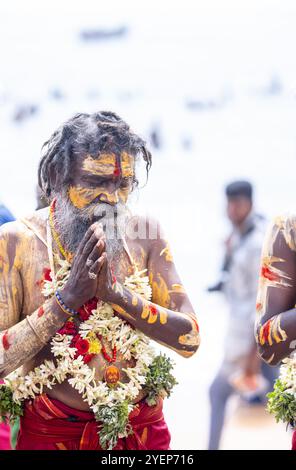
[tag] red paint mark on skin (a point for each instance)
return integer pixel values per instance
(113, 276)
(5, 341)
(153, 310)
(196, 324)
(116, 171)
(258, 306)
(268, 274)
(266, 331)
(40, 312)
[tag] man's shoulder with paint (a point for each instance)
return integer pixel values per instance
(20, 228)
(146, 229)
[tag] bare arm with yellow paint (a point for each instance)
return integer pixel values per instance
(276, 313)
(21, 339)
(169, 318)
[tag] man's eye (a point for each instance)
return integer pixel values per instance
(125, 183)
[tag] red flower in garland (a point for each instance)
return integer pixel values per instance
(69, 328)
(82, 346)
(87, 358)
(74, 340)
(86, 310)
(46, 277)
(47, 274)
(83, 314)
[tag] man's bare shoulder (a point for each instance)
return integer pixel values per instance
(24, 226)
(146, 231)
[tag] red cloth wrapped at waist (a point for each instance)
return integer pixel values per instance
(49, 424)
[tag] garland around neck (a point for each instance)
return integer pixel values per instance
(111, 404)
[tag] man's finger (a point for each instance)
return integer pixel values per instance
(97, 250)
(97, 266)
(90, 245)
(88, 234)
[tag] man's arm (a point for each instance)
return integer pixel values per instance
(169, 318)
(20, 340)
(276, 314)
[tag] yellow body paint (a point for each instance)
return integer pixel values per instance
(81, 197)
(167, 252)
(160, 291)
(190, 339)
(106, 164)
(152, 313)
(271, 332)
(177, 289)
(134, 300)
(127, 165)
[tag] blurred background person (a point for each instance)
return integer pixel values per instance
(241, 368)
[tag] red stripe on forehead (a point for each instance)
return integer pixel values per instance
(116, 171)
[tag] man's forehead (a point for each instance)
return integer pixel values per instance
(106, 165)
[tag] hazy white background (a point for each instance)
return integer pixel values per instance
(236, 58)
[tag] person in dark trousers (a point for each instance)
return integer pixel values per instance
(241, 370)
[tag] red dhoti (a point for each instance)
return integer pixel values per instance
(294, 441)
(48, 424)
(4, 434)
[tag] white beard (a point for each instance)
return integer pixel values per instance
(72, 224)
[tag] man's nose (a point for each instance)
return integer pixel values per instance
(109, 197)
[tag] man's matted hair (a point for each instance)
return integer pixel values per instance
(87, 134)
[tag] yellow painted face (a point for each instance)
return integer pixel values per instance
(106, 165)
(81, 197)
(106, 171)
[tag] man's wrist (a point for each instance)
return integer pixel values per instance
(115, 295)
(69, 299)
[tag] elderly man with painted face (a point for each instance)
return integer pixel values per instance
(82, 292)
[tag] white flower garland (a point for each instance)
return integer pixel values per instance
(282, 400)
(129, 342)
(288, 374)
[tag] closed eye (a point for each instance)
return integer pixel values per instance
(126, 182)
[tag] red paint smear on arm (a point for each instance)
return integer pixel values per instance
(5, 341)
(268, 274)
(266, 330)
(153, 310)
(40, 312)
